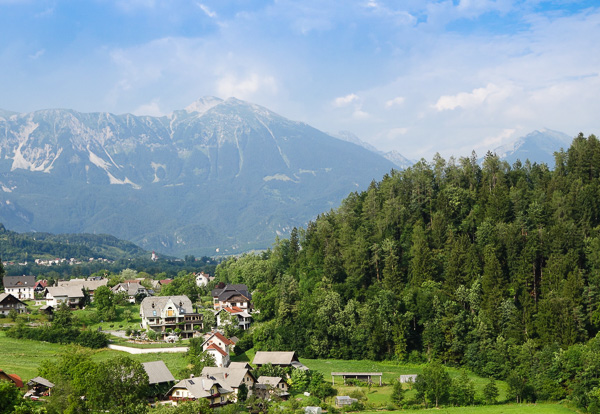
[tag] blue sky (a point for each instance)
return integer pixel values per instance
(416, 76)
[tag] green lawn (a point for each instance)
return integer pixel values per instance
(23, 356)
(494, 409)
(380, 396)
(88, 318)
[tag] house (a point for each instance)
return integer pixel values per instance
(14, 378)
(8, 302)
(267, 386)
(232, 378)
(90, 284)
(40, 286)
(202, 279)
(164, 314)
(131, 289)
(282, 359)
(243, 317)
(230, 296)
(219, 347)
(21, 287)
(205, 386)
(71, 295)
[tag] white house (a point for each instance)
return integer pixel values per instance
(71, 295)
(241, 315)
(164, 313)
(202, 279)
(21, 287)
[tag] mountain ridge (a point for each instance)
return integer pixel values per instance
(221, 174)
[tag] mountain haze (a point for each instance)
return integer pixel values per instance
(537, 146)
(220, 174)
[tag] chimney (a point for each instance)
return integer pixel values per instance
(226, 375)
(192, 376)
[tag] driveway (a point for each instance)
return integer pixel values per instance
(147, 350)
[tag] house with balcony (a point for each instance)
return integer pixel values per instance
(228, 314)
(21, 287)
(9, 302)
(230, 296)
(205, 386)
(166, 314)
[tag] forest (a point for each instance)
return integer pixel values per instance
(492, 267)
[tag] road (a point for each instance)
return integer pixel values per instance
(147, 350)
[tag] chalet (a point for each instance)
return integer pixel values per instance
(243, 317)
(205, 386)
(71, 295)
(131, 289)
(266, 387)
(230, 296)
(164, 314)
(281, 359)
(14, 378)
(232, 378)
(8, 302)
(21, 287)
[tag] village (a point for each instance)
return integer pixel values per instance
(174, 319)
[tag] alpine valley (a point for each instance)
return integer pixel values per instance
(220, 176)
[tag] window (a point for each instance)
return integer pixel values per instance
(170, 312)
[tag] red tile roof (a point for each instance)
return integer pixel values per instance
(223, 339)
(213, 346)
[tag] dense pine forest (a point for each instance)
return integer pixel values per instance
(492, 267)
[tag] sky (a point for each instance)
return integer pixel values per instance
(416, 76)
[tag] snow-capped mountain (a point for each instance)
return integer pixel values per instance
(537, 146)
(223, 174)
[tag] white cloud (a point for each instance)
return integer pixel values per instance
(345, 100)
(467, 99)
(244, 88)
(37, 54)
(206, 10)
(151, 108)
(394, 102)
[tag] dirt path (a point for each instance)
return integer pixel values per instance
(147, 350)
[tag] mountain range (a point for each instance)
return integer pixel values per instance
(537, 146)
(221, 176)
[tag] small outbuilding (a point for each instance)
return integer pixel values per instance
(344, 400)
(39, 387)
(361, 376)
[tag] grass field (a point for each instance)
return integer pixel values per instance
(23, 356)
(495, 409)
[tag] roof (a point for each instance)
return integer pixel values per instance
(165, 281)
(199, 387)
(83, 283)
(272, 381)
(231, 377)
(220, 337)
(216, 348)
(161, 301)
(3, 296)
(231, 290)
(239, 365)
(41, 381)
(275, 358)
(130, 287)
(42, 283)
(12, 377)
(68, 291)
(18, 281)
(234, 310)
(157, 372)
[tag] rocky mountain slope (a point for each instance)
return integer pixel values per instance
(224, 176)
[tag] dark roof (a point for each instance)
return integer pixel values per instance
(4, 296)
(40, 380)
(19, 281)
(231, 290)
